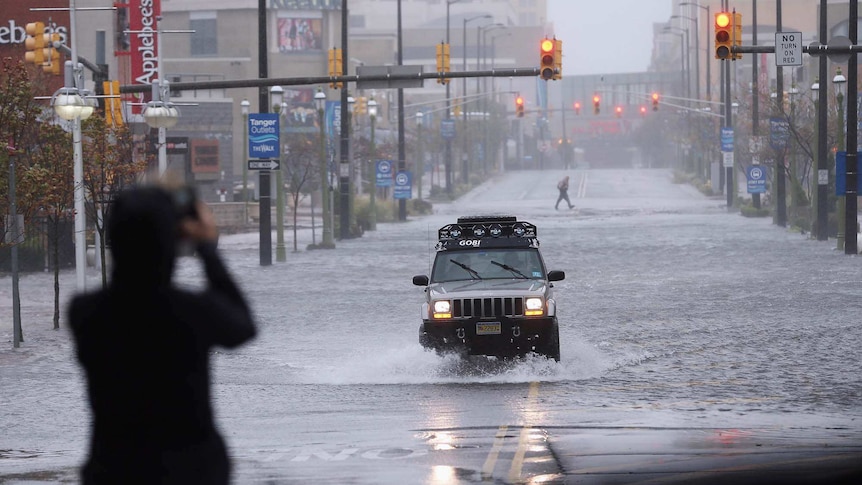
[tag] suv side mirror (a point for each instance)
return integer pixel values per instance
(553, 275)
(420, 280)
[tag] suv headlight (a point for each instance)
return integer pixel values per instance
(534, 306)
(442, 309)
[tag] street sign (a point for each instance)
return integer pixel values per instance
(447, 129)
(779, 133)
(727, 159)
(726, 139)
(403, 185)
(364, 72)
(263, 135)
(756, 177)
(841, 174)
(265, 164)
(384, 173)
(788, 48)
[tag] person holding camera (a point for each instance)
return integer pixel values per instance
(144, 345)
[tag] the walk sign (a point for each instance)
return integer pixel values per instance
(263, 132)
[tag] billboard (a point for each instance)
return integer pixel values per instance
(299, 34)
(301, 115)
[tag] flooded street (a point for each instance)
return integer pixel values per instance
(675, 316)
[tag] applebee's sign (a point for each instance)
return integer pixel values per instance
(144, 51)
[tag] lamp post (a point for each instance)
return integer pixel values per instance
(818, 199)
(708, 74)
(696, 52)
(69, 105)
(160, 113)
(326, 237)
(348, 218)
(465, 164)
(420, 161)
(840, 83)
(276, 99)
(243, 107)
(448, 114)
(372, 115)
(683, 54)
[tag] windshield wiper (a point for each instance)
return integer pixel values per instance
(466, 268)
(509, 268)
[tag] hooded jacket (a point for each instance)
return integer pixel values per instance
(144, 346)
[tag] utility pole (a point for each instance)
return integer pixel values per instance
(850, 200)
(402, 163)
(755, 98)
(822, 150)
(344, 165)
(780, 172)
(263, 107)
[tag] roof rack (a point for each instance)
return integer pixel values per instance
(487, 231)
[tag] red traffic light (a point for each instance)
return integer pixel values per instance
(722, 19)
(519, 101)
(547, 65)
(519, 107)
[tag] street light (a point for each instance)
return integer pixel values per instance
(244, 107)
(420, 161)
(69, 105)
(708, 74)
(465, 176)
(696, 51)
(683, 54)
(819, 195)
(276, 99)
(840, 83)
(448, 116)
(326, 238)
(372, 114)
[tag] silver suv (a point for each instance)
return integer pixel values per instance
(489, 292)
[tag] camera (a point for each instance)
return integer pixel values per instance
(185, 201)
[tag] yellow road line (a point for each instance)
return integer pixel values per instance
(524, 438)
(491, 461)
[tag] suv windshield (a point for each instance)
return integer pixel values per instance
(487, 264)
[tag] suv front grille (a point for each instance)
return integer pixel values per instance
(487, 307)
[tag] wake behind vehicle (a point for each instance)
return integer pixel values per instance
(489, 292)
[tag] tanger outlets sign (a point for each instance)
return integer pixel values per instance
(263, 132)
(144, 51)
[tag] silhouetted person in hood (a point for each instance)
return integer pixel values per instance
(144, 345)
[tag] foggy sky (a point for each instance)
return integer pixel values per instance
(606, 36)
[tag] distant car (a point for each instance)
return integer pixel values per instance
(489, 292)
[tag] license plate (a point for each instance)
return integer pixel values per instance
(492, 328)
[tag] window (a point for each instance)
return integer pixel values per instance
(205, 38)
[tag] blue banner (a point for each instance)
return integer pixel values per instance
(384, 173)
(841, 173)
(756, 176)
(403, 185)
(263, 135)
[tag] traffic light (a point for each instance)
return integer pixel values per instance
(596, 104)
(335, 67)
(51, 63)
(558, 59)
(619, 111)
(737, 33)
(361, 105)
(35, 43)
(547, 59)
(655, 101)
(643, 110)
(577, 107)
(113, 104)
(723, 35)
(519, 107)
(442, 61)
